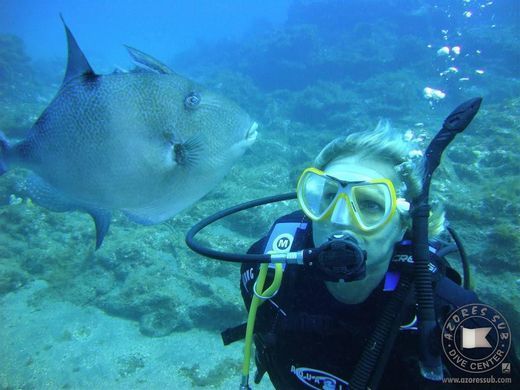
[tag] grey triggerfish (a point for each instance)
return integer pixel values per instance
(148, 142)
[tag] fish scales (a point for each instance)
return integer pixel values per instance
(149, 143)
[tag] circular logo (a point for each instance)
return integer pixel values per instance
(283, 242)
(476, 338)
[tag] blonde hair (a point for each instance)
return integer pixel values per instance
(388, 146)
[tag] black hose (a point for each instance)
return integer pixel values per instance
(430, 363)
(226, 256)
(370, 367)
(463, 257)
(447, 250)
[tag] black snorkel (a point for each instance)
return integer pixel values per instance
(456, 122)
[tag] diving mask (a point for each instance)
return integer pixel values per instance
(368, 204)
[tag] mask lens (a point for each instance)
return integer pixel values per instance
(316, 194)
(372, 203)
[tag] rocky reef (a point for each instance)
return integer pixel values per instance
(312, 80)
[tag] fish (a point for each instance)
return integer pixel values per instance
(148, 143)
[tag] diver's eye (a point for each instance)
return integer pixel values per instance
(192, 100)
(328, 196)
(371, 206)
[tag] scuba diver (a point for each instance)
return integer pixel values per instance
(313, 332)
(349, 318)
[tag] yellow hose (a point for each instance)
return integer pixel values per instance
(258, 298)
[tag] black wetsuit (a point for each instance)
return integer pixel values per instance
(305, 338)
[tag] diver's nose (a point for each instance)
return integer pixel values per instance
(341, 214)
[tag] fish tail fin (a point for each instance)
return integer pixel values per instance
(4, 147)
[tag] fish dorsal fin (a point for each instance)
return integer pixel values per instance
(77, 64)
(147, 61)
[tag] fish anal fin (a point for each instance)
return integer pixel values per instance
(46, 195)
(102, 221)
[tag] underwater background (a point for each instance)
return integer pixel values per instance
(144, 311)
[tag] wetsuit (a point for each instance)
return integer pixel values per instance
(305, 338)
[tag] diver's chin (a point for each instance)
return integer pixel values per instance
(350, 293)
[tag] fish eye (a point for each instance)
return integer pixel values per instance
(192, 100)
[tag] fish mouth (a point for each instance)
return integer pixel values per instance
(251, 134)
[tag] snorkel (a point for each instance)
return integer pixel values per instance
(429, 360)
(370, 367)
(324, 259)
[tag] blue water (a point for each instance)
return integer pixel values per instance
(164, 27)
(144, 311)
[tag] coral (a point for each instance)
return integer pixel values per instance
(162, 322)
(213, 377)
(11, 279)
(130, 364)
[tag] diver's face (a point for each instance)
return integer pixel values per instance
(378, 243)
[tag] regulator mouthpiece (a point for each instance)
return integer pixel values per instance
(340, 259)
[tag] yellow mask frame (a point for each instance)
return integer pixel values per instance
(370, 204)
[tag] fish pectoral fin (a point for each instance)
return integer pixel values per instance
(148, 62)
(102, 221)
(77, 64)
(190, 152)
